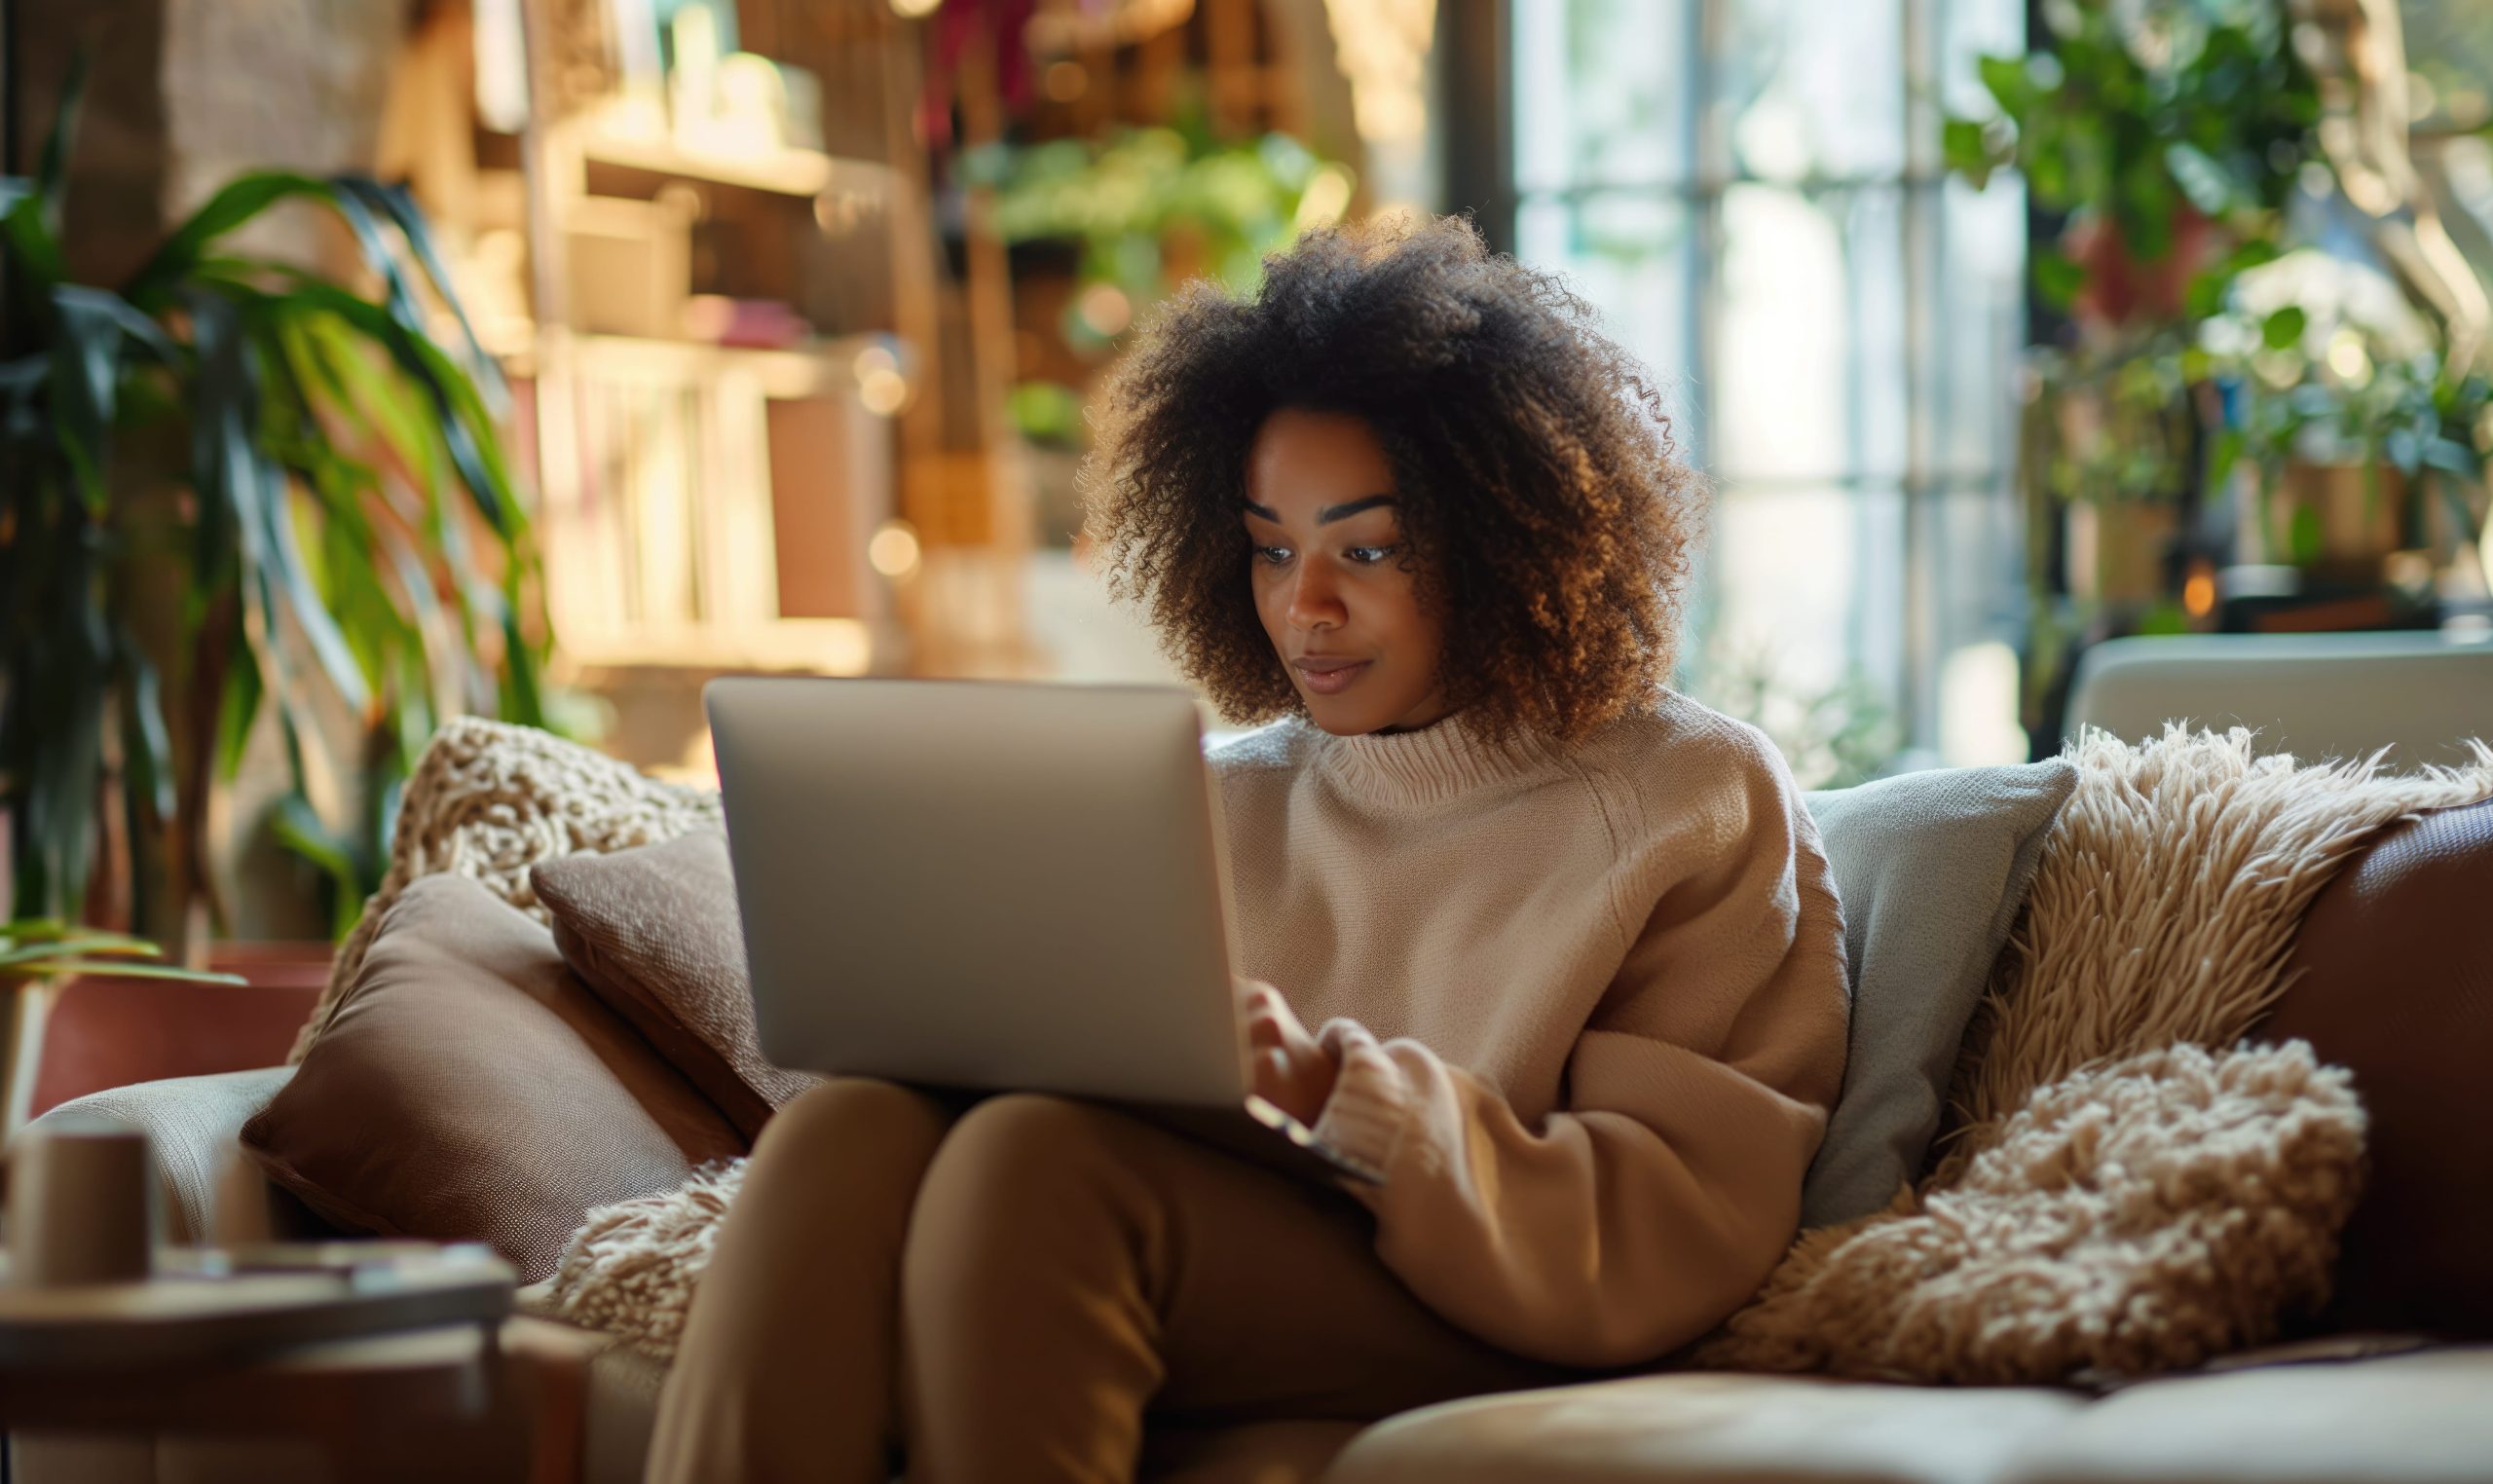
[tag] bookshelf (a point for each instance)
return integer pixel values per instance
(712, 495)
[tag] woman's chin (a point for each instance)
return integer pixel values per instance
(1340, 715)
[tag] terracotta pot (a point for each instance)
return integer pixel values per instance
(2120, 288)
(106, 1033)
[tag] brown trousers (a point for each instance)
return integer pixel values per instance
(1006, 1293)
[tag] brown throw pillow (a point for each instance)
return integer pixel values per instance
(655, 932)
(2395, 983)
(470, 1087)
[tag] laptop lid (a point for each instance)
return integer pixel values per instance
(982, 885)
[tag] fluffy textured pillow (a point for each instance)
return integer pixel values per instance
(2133, 1217)
(655, 932)
(468, 1087)
(2391, 978)
(1932, 868)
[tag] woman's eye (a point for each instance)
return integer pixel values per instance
(1272, 556)
(1368, 556)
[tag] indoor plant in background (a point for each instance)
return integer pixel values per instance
(35, 955)
(229, 483)
(2350, 435)
(2169, 135)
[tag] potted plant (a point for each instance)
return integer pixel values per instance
(2344, 418)
(2169, 135)
(228, 485)
(36, 955)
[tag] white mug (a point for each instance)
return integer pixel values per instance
(82, 1205)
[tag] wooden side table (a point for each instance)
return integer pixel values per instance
(389, 1362)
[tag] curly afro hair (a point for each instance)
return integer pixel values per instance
(1552, 524)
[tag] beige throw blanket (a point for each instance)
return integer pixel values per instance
(2127, 1190)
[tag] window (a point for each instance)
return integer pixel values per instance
(1750, 192)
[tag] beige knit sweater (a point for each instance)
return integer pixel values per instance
(1588, 1004)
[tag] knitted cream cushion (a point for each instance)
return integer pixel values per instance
(488, 800)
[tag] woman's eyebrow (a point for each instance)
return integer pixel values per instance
(1330, 513)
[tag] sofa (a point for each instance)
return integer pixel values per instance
(2392, 1382)
(2388, 1408)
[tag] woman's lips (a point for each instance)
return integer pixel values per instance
(1330, 676)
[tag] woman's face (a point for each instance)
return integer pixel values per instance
(1333, 578)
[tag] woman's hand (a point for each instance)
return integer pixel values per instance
(1292, 1072)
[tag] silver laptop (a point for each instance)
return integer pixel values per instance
(986, 886)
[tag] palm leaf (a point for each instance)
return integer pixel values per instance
(85, 383)
(149, 745)
(118, 970)
(158, 280)
(51, 171)
(401, 207)
(300, 827)
(239, 708)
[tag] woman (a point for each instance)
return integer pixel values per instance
(1568, 937)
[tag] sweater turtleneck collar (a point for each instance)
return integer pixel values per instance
(1430, 764)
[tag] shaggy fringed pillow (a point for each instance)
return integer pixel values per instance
(2171, 887)
(631, 1269)
(2133, 1218)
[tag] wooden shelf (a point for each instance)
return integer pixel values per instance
(787, 172)
(807, 645)
(818, 368)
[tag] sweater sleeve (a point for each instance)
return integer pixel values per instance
(1663, 1190)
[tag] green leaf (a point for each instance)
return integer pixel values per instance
(401, 207)
(2454, 456)
(2303, 536)
(150, 748)
(2008, 82)
(85, 360)
(466, 428)
(1962, 147)
(302, 831)
(2282, 329)
(284, 555)
(2057, 277)
(51, 174)
(245, 197)
(240, 709)
(120, 969)
(70, 946)
(2222, 455)
(2210, 186)
(37, 265)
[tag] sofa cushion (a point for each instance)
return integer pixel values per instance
(1932, 868)
(654, 933)
(1709, 1429)
(2413, 1419)
(2392, 981)
(469, 1086)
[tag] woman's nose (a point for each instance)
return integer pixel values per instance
(1314, 602)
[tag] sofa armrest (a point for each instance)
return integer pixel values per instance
(211, 1191)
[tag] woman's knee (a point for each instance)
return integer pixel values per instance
(1025, 1157)
(856, 1122)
